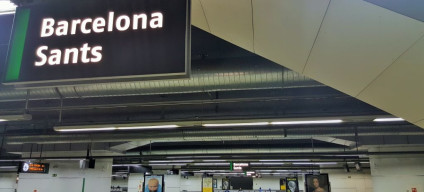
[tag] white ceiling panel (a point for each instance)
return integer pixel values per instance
(399, 88)
(357, 41)
(285, 30)
(420, 123)
(198, 17)
(230, 20)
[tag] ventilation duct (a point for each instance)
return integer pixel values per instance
(206, 76)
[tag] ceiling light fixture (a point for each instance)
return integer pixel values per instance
(168, 164)
(207, 123)
(235, 124)
(125, 165)
(206, 164)
(268, 163)
(8, 167)
(388, 119)
(306, 122)
(172, 161)
(63, 129)
(149, 127)
(77, 128)
(323, 163)
(22, 117)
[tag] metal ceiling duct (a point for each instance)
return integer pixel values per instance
(202, 135)
(206, 76)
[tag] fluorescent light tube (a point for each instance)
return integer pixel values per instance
(306, 122)
(269, 163)
(323, 163)
(179, 157)
(77, 128)
(388, 119)
(22, 117)
(274, 160)
(214, 160)
(235, 124)
(125, 165)
(8, 167)
(149, 127)
(172, 161)
(168, 164)
(219, 164)
(87, 129)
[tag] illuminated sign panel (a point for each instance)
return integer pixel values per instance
(28, 167)
(99, 40)
(239, 166)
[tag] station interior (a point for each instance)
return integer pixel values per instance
(277, 90)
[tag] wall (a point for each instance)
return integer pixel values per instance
(352, 181)
(266, 183)
(191, 183)
(397, 173)
(119, 181)
(135, 182)
(172, 183)
(7, 182)
(70, 178)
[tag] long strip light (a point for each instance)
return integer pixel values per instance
(172, 161)
(235, 124)
(171, 125)
(125, 165)
(21, 117)
(167, 164)
(267, 163)
(215, 160)
(111, 128)
(323, 163)
(149, 127)
(306, 122)
(388, 119)
(206, 164)
(8, 167)
(87, 129)
(276, 160)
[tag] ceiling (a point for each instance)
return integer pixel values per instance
(232, 83)
(371, 52)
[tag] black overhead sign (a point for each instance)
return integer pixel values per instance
(28, 167)
(75, 42)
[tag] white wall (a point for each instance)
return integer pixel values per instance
(135, 182)
(353, 181)
(7, 182)
(119, 181)
(172, 183)
(397, 173)
(266, 183)
(69, 178)
(191, 183)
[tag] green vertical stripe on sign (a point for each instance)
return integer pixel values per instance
(18, 44)
(83, 185)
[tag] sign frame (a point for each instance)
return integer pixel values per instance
(25, 167)
(104, 79)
